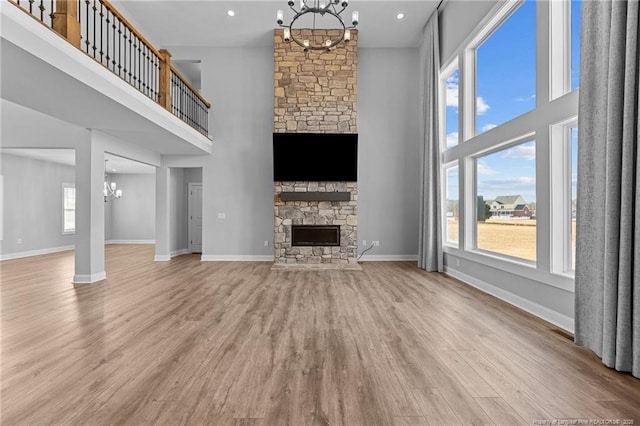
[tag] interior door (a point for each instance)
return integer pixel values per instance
(195, 217)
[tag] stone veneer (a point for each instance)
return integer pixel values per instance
(343, 213)
(315, 92)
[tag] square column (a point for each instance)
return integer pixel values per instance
(89, 245)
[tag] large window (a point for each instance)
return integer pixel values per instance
(452, 223)
(68, 208)
(576, 6)
(452, 103)
(514, 187)
(506, 70)
(506, 194)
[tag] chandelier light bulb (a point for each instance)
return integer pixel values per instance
(322, 5)
(287, 35)
(345, 3)
(279, 17)
(113, 186)
(347, 36)
(302, 4)
(327, 43)
(354, 17)
(306, 44)
(119, 193)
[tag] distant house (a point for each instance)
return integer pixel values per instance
(522, 210)
(505, 206)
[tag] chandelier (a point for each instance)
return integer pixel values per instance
(110, 190)
(318, 7)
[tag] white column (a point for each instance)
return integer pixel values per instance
(89, 244)
(163, 235)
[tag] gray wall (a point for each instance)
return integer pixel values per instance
(33, 204)
(388, 150)
(457, 20)
(238, 177)
(178, 225)
(132, 217)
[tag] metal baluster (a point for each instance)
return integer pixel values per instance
(124, 69)
(101, 30)
(108, 21)
(139, 64)
(41, 7)
(86, 31)
(94, 41)
(51, 15)
(113, 27)
(119, 48)
(130, 54)
(31, 6)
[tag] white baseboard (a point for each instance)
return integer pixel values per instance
(563, 321)
(35, 252)
(236, 258)
(388, 257)
(166, 258)
(130, 242)
(90, 278)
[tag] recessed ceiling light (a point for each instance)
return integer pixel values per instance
(113, 170)
(400, 15)
(231, 13)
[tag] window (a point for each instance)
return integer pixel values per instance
(506, 194)
(506, 70)
(452, 103)
(516, 184)
(68, 208)
(576, 6)
(574, 193)
(452, 207)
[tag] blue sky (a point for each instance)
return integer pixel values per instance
(506, 88)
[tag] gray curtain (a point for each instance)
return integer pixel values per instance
(430, 236)
(608, 223)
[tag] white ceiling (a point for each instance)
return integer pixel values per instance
(115, 165)
(206, 23)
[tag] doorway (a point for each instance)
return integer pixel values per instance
(195, 217)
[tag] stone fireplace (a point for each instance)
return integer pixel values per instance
(315, 92)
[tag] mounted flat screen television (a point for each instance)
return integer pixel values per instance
(329, 157)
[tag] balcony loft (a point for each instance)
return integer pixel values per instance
(84, 63)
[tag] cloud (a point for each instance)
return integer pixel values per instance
(453, 95)
(481, 105)
(452, 91)
(485, 170)
(527, 99)
(521, 152)
(452, 139)
(488, 127)
(511, 181)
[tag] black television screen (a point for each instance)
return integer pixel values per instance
(315, 157)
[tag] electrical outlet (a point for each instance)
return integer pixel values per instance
(376, 243)
(364, 243)
(222, 215)
(266, 243)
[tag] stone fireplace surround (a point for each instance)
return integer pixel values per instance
(315, 91)
(313, 212)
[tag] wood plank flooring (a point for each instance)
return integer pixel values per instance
(187, 342)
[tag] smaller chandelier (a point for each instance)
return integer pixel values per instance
(318, 7)
(110, 190)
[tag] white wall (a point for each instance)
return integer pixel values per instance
(33, 204)
(238, 178)
(132, 217)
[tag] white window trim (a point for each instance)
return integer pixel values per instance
(66, 185)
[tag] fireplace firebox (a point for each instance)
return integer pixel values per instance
(315, 235)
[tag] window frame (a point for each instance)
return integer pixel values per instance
(533, 125)
(65, 231)
(445, 233)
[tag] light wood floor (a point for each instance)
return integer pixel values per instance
(186, 342)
